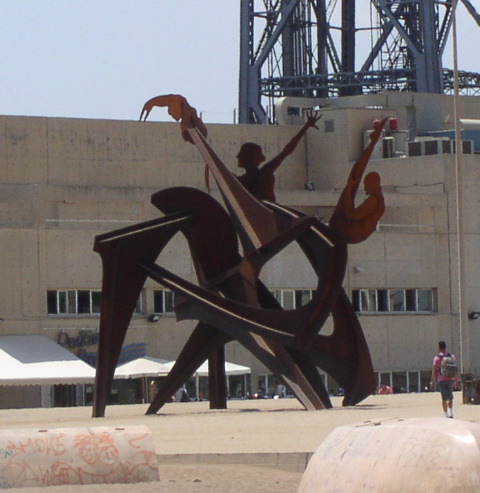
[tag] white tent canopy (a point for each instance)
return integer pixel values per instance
(37, 360)
(230, 369)
(143, 367)
(155, 367)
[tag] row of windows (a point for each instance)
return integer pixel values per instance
(76, 302)
(394, 300)
(79, 302)
(88, 302)
(369, 300)
(292, 298)
(73, 301)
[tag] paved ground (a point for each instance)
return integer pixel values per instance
(253, 446)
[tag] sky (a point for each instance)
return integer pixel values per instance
(105, 58)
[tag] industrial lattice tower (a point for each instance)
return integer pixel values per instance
(317, 48)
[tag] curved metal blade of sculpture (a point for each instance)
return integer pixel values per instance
(230, 301)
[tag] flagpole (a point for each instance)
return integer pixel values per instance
(463, 324)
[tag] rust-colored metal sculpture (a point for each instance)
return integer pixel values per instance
(356, 224)
(178, 108)
(260, 180)
(229, 301)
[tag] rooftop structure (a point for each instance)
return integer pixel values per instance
(307, 48)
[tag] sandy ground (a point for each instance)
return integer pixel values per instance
(253, 446)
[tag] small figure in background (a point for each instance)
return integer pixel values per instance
(445, 375)
(181, 395)
(153, 390)
(384, 389)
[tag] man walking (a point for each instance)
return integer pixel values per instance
(445, 375)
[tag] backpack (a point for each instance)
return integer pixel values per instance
(448, 366)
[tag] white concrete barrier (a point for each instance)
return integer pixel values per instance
(63, 456)
(397, 456)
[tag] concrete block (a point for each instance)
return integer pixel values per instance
(68, 456)
(422, 454)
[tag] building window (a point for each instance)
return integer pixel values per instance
(163, 301)
(76, 302)
(394, 300)
(397, 300)
(290, 299)
(425, 300)
(329, 126)
(293, 111)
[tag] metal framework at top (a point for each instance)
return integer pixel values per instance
(310, 48)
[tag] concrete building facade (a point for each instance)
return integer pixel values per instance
(64, 181)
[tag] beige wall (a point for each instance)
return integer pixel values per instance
(15, 396)
(64, 181)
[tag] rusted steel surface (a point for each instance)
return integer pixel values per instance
(229, 301)
(123, 280)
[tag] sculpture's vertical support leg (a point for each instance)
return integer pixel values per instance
(212, 253)
(344, 354)
(217, 380)
(120, 291)
(204, 341)
(122, 284)
(361, 383)
(310, 372)
(111, 337)
(310, 392)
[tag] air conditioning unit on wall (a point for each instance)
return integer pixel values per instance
(426, 146)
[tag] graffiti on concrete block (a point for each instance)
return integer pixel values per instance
(76, 456)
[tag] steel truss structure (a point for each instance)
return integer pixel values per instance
(311, 48)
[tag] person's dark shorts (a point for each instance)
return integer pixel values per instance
(446, 389)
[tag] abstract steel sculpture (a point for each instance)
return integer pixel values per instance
(179, 109)
(230, 302)
(260, 181)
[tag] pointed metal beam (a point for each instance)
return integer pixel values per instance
(122, 283)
